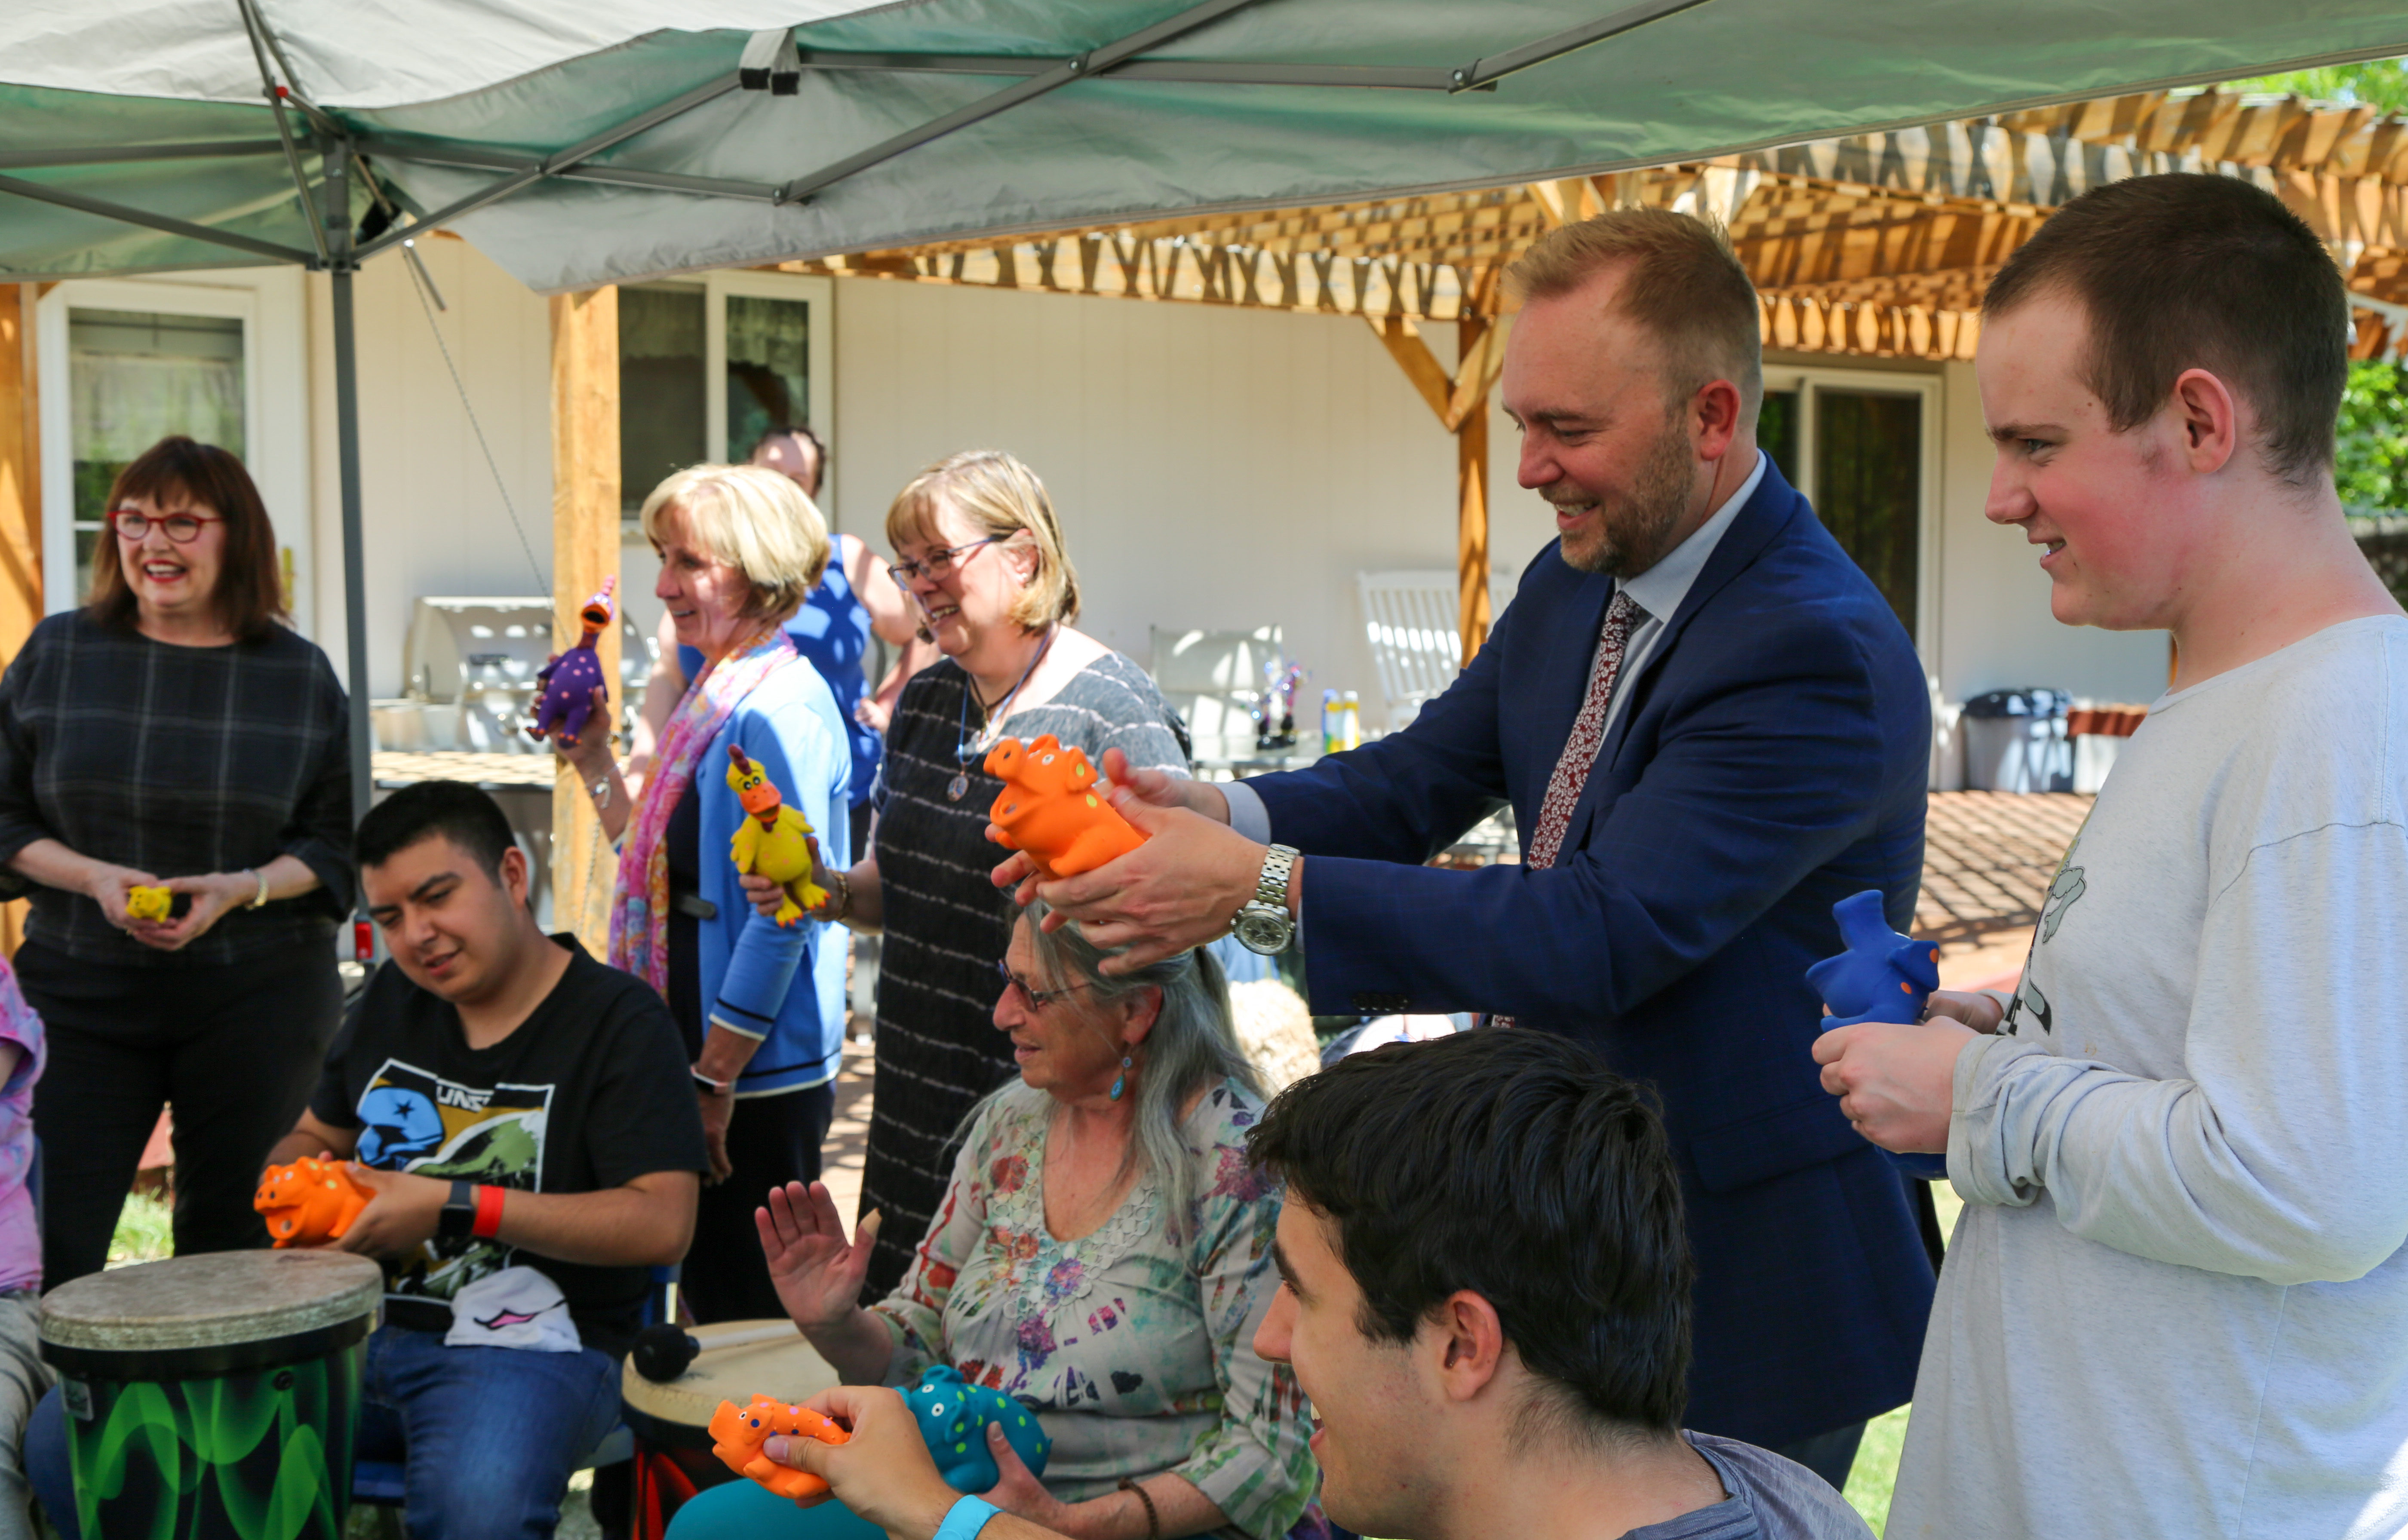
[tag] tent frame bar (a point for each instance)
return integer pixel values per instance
(1174, 71)
(27, 159)
(42, 192)
(1053, 79)
(550, 165)
(1481, 74)
(614, 176)
(256, 29)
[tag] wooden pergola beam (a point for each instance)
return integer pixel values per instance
(1461, 403)
(585, 512)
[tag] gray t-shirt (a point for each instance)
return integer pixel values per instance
(2176, 1303)
(1771, 1499)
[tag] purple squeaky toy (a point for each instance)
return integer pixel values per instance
(1882, 976)
(566, 699)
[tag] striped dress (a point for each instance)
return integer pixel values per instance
(947, 924)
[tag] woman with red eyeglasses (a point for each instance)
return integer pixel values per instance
(175, 733)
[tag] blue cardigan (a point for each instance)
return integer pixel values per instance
(1769, 762)
(783, 987)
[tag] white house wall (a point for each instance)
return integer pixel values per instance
(434, 518)
(1214, 469)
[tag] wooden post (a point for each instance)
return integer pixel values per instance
(20, 508)
(584, 550)
(1472, 517)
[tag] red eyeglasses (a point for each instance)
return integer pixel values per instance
(182, 528)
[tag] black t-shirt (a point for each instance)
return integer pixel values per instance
(590, 1092)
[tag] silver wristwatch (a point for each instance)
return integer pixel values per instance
(1264, 925)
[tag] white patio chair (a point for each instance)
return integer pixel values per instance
(1413, 621)
(1216, 679)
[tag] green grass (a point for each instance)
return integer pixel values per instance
(1875, 1471)
(143, 1232)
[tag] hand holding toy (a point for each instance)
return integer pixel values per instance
(149, 904)
(568, 683)
(1882, 976)
(1049, 807)
(737, 1433)
(952, 1413)
(309, 1201)
(775, 842)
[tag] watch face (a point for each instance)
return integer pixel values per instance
(1264, 932)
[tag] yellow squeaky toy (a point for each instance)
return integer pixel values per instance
(775, 842)
(149, 904)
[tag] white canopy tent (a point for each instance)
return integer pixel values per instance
(622, 139)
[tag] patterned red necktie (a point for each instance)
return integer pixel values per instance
(1580, 750)
(1587, 736)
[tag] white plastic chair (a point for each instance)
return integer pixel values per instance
(1216, 679)
(1412, 621)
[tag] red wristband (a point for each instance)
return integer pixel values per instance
(489, 1212)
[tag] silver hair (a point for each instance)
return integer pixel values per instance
(1191, 1048)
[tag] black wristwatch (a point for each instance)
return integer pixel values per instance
(458, 1220)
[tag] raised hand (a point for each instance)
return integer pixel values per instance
(817, 1273)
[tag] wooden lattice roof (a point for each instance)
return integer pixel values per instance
(1872, 244)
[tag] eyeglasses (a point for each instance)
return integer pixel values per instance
(182, 528)
(1036, 1000)
(939, 565)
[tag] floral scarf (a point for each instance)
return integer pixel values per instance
(640, 899)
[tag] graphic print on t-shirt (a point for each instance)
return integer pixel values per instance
(2064, 891)
(414, 1120)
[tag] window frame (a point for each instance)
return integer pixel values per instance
(1809, 382)
(819, 409)
(269, 302)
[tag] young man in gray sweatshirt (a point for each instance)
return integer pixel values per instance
(2176, 1303)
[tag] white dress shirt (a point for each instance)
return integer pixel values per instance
(1657, 591)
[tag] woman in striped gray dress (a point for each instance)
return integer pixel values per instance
(979, 548)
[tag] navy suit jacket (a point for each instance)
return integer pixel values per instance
(1769, 760)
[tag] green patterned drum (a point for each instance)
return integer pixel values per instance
(214, 1396)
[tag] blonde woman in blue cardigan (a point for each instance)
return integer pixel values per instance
(761, 1005)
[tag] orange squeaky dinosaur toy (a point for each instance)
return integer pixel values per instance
(737, 1433)
(1050, 808)
(308, 1202)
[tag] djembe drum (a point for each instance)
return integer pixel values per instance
(214, 1397)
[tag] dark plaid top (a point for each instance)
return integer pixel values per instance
(177, 761)
(947, 923)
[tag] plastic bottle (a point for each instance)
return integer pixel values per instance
(1349, 721)
(1331, 726)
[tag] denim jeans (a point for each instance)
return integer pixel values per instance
(491, 1433)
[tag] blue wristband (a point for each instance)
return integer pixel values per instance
(965, 1518)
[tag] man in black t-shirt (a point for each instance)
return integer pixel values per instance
(523, 1119)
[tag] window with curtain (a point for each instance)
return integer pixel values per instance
(1867, 486)
(135, 377)
(662, 373)
(768, 369)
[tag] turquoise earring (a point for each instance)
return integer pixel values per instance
(1120, 1081)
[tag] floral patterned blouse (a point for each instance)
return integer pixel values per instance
(1135, 1350)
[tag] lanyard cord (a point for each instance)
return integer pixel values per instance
(964, 748)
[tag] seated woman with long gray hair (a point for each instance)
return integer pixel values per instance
(1102, 1255)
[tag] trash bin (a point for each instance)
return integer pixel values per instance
(2015, 741)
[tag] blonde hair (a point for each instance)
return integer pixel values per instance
(1685, 284)
(757, 521)
(1003, 497)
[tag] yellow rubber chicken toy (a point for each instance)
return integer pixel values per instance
(775, 842)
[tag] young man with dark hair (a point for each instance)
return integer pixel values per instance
(1488, 1302)
(525, 1123)
(2176, 1303)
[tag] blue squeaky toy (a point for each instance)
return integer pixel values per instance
(1882, 976)
(953, 1416)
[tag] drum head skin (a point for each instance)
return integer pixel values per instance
(222, 1300)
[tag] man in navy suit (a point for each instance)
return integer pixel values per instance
(1711, 728)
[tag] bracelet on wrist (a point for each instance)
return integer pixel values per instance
(964, 1518)
(1152, 1519)
(489, 1212)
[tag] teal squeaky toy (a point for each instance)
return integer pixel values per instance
(1882, 976)
(953, 1414)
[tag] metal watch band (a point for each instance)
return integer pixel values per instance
(1271, 887)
